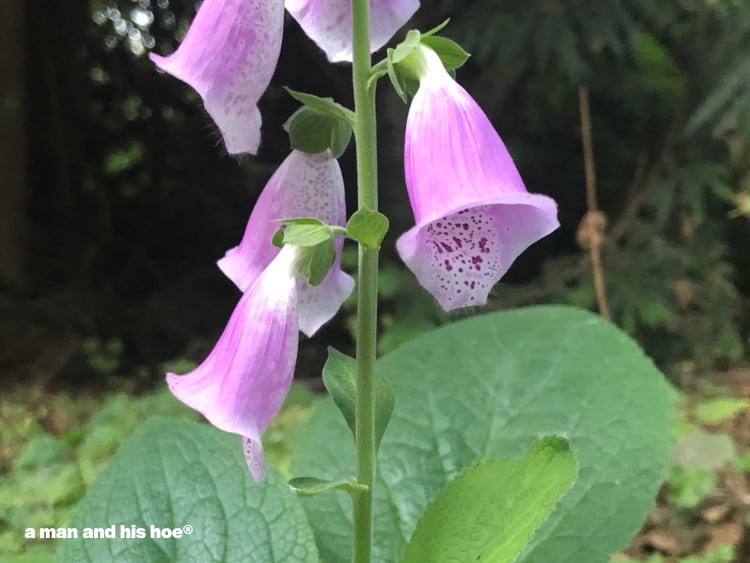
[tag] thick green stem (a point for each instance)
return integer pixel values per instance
(367, 310)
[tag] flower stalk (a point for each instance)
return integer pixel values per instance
(365, 134)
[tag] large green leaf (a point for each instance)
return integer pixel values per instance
(490, 511)
(488, 387)
(174, 473)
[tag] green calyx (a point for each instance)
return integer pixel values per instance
(418, 57)
(315, 242)
(319, 125)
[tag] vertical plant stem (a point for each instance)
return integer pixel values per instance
(367, 297)
(595, 220)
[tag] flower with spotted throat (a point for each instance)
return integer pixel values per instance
(472, 211)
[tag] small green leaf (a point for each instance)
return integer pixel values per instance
(278, 237)
(340, 378)
(318, 262)
(306, 234)
(313, 132)
(367, 227)
(491, 510)
(324, 106)
(312, 486)
(451, 53)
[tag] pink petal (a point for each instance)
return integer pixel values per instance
(242, 383)
(228, 56)
(329, 23)
(305, 185)
(473, 214)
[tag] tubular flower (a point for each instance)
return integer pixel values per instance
(305, 185)
(242, 383)
(473, 214)
(228, 56)
(329, 23)
(230, 52)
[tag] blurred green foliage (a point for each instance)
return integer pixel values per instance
(43, 476)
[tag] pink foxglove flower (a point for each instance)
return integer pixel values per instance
(473, 214)
(242, 383)
(305, 185)
(230, 52)
(228, 56)
(329, 23)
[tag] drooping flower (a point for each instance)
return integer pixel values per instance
(472, 211)
(230, 52)
(305, 185)
(242, 383)
(329, 23)
(228, 56)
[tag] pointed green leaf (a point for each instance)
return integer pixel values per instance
(397, 80)
(340, 378)
(318, 262)
(306, 233)
(324, 106)
(367, 227)
(193, 478)
(451, 53)
(437, 28)
(490, 511)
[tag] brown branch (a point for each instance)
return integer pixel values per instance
(591, 230)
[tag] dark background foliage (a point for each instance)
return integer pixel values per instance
(117, 195)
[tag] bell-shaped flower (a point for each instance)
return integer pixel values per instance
(242, 383)
(473, 214)
(228, 56)
(329, 23)
(230, 52)
(305, 185)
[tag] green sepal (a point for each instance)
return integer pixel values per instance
(490, 512)
(312, 486)
(396, 78)
(318, 261)
(302, 231)
(439, 27)
(312, 131)
(451, 54)
(340, 379)
(324, 106)
(367, 227)
(403, 84)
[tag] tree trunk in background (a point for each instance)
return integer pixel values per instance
(12, 139)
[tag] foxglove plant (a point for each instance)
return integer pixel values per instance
(473, 218)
